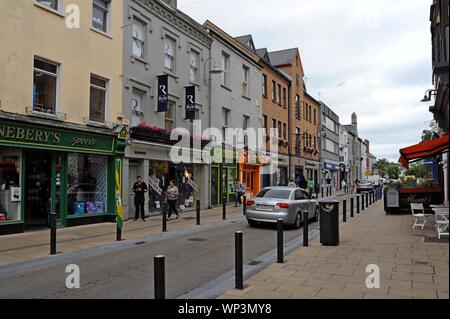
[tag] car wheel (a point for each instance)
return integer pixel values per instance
(316, 215)
(298, 221)
(252, 223)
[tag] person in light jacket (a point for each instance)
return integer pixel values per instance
(172, 199)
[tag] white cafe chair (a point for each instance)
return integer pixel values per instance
(441, 221)
(418, 213)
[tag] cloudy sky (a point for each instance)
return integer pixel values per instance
(368, 57)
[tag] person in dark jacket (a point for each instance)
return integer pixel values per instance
(139, 189)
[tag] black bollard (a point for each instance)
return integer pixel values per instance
(362, 203)
(305, 229)
(224, 208)
(244, 205)
(159, 265)
(322, 191)
(370, 198)
(328, 191)
(280, 255)
(118, 233)
(52, 234)
(198, 213)
(367, 200)
(239, 261)
(331, 191)
(164, 217)
(357, 204)
(352, 207)
(344, 211)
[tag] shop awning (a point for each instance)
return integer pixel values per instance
(423, 150)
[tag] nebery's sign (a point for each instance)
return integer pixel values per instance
(29, 135)
(35, 136)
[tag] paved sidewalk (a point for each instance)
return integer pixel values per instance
(410, 265)
(34, 245)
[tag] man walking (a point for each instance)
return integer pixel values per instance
(311, 186)
(139, 189)
(172, 199)
(238, 190)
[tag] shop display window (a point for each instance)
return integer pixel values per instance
(10, 191)
(87, 179)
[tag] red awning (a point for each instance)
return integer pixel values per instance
(423, 150)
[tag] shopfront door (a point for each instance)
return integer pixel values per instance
(44, 184)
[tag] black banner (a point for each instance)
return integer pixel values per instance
(163, 93)
(190, 103)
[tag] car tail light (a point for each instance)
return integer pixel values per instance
(250, 202)
(283, 205)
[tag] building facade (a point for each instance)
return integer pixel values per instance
(289, 62)
(236, 105)
(329, 129)
(163, 46)
(61, 134)
(439, 17)
(309, 137)
(365, 159)
(276, 105)
(354, 161)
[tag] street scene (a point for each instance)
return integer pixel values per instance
(165, 149)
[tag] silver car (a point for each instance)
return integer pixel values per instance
(286, 203)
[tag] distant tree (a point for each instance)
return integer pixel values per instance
(393, 171)
(427, 135)
(382, 167)
(419, 170)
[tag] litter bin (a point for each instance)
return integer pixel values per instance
(329, 223)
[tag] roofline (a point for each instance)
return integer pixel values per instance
(232, 41)
(276, 70)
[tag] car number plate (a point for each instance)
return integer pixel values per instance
(265, 207)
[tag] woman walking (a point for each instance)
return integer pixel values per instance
(172, 199)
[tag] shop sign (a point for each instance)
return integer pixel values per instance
(193, 185)
(154, 183)
(37, 137)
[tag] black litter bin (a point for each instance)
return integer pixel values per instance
(329, 223)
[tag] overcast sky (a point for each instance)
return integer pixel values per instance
(369, 57)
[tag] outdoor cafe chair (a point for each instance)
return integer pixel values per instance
(441, 221)
(418, 213)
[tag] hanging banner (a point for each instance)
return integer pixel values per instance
(190, 103)
(163, 93)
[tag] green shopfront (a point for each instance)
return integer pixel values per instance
(58, 168)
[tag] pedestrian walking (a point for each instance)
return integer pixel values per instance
(303, 183)
(344, 185)
(139, 189)
(238, 190)
(311, 186)
(172, 199)
(292, 183)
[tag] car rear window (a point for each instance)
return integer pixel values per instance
(275, 193)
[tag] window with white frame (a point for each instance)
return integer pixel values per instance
(245, 80)
(245, 127)
(225, 68)
(139, 38)
(169, 116)
(137, 106)
(45, 86)
(52, 4)
(169, 53)
(98, 97)
(100, 14)
(330, 146)
(226, 120)
(194, 66)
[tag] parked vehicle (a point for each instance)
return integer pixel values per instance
(364, 186)
(286, 203)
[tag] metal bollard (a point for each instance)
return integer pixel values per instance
(331, 191)
(244, 205)
(322, 191)
(239, 261)
(344, 211)
(328, 191)
(352, 207)
(164, 217)
(367, 200)
(224, 208)
(357, 204)
(118, 233)
(280, 254)
(52, 234)
(362, 203)
(197, 213)
(370, 198)
(159, 265)
(305, 229)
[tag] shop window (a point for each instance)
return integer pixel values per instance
(87, 179)
(10, 191)
(45, 86)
